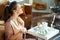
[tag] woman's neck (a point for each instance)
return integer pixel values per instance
(15, 16)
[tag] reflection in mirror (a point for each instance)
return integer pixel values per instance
(46, 3)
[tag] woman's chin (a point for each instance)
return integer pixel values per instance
(20, 13)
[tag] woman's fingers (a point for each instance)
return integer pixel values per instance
(24, 30)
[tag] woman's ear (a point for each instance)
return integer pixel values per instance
(14, 11)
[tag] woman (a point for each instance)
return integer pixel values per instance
(14, 25)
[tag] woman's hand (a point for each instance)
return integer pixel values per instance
(21, 21)
(24, 30)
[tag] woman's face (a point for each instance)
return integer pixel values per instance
(19, 9)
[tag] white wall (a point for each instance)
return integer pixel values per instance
(1, 1)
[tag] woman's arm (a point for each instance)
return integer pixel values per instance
(13, 37)
(20, 30)
(23, 29)
(9, 32)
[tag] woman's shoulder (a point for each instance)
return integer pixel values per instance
(9, 21)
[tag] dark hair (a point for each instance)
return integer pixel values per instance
(8, 10)
(12, 6)
(6, 15)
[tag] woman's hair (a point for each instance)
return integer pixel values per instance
(12, 6)
(8, 11)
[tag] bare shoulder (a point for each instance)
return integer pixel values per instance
(8, 22)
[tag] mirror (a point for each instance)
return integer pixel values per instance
(41, 3)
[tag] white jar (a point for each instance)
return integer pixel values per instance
(44, 25)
